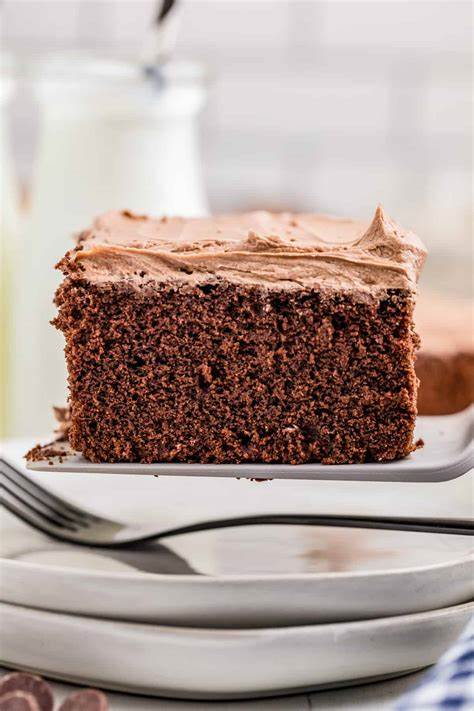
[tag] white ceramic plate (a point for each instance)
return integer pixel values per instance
(446, 454)
(191, 663)
(243, 577)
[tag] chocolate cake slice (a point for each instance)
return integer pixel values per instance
(247, 338)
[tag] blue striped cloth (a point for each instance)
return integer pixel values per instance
(449, 685)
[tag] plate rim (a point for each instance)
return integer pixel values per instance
(236, 578)
(241, 632)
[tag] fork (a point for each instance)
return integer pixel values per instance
(59, 519)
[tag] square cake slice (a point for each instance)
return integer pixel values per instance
(256, 337)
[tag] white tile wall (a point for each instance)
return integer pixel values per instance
(128, 20)
(447, 109)
(315, 104)
(46, 21)
(409, 24)
(300, 105)
(229, 27)
(381, 183)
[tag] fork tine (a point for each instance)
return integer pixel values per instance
(38, 523)
(25, 494)
(49, 499)
(38, 512)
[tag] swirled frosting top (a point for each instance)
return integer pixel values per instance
(279, 250)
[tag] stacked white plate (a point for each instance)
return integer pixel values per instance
(231, 613)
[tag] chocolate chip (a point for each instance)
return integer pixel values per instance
(18, 701)
(87, 700)
(29, 684)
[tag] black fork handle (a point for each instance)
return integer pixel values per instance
(463, 527)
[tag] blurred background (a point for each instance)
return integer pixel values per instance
(310, 105)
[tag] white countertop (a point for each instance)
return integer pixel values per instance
(379, 696)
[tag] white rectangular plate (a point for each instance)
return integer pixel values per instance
(447, 453)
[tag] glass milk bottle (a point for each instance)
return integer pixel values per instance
(109, 139)
(8, 244)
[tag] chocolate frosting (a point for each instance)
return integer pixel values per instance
(281, 250)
